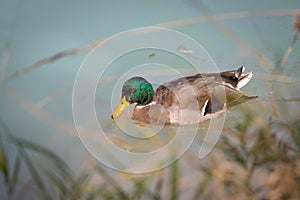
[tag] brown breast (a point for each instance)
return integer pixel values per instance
(152, 113)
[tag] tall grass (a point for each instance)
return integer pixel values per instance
(254, 161)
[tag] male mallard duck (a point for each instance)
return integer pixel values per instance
(185, 100)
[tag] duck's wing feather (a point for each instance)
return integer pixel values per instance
(187, 92)
(203, 92)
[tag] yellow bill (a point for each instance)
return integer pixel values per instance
(121, 107)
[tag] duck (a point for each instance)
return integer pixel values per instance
(185, 100)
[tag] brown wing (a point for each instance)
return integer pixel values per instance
(186, 92)
(200, 91)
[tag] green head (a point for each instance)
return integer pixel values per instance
(135, 90)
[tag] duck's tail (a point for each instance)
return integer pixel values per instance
(240, 100)
(235, 78)
(234, 97)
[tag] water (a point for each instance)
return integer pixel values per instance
(37, 105)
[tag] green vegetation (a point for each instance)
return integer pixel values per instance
(254, 160)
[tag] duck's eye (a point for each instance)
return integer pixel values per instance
(129, 99)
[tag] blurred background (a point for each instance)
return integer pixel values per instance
(42, 45)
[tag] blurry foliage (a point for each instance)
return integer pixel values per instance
(256, 160)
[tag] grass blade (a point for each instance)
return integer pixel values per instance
(96, 192)
(141, 188)
(114, 184)
(3, 161)
(59, 164)
(201, 188)
(78, 186)
(35, 176)
(59, 184)
(15, 175)
(174, 179)
(158, 186)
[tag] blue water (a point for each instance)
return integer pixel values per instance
(33, 30)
